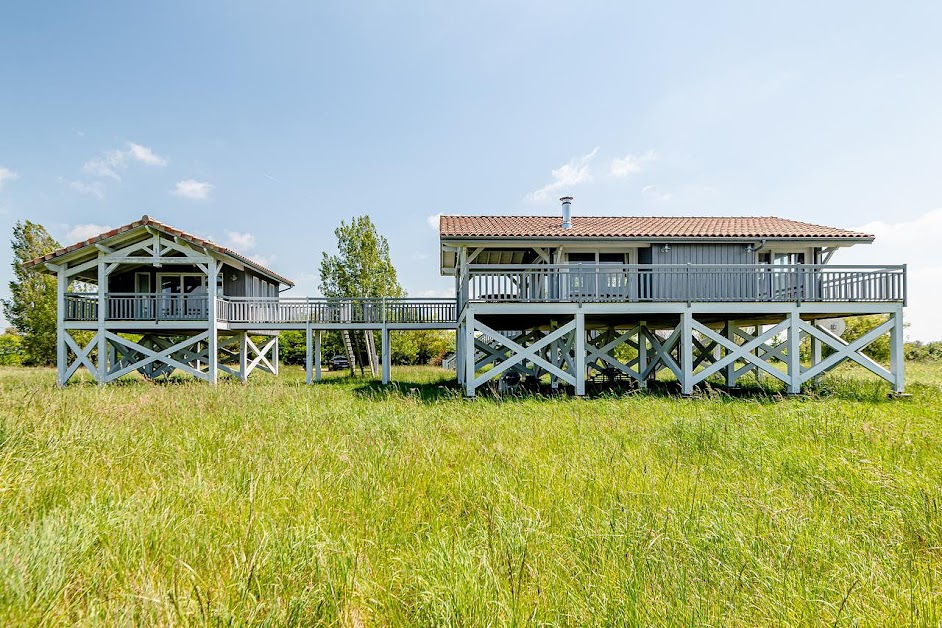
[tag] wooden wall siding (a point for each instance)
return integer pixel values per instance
(233, 282)
(733, 287)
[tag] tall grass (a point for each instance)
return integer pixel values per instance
(351, 503)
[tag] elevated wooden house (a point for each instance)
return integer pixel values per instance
(696, 295)
(569, 298)
(151, 295)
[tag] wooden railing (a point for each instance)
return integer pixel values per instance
(579, 283)
(138, 307)
(276, 310)
(602, 283)
(273, 310)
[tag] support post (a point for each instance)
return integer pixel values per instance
(729, 376)
(213, 341)
(62, 354)
(642, 355)
(685, 347)
(386, 355)
(794, 353)
(897, 354)
(459, 354)
(274, 354)
(469, 352)
(317, 355)
(578, 348)
(308, 354)
(815, 348)
(102, 306)
(244, 356)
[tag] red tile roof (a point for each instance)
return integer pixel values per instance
(637, 227)
(147, 220)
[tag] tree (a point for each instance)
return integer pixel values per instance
(361, 267)
(421, 346)
(31, 308)
(11, 348)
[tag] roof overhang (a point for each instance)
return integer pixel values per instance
(132, 232)
(450, 245)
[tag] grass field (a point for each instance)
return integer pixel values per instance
(349, 503)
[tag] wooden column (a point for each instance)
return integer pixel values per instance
(308, 355)
(244, 356)
(729, 375)
(815, 347)
(685, 349)
(212, 272)
(62, 353)
(897, 353)
(794, 353)
(102, 315)
(469, 352)
(459, 354)
(578, 348)
(387, 365)
(317, 355)
(642, 355)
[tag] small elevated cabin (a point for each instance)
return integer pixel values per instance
(151, 294)
(696, 295)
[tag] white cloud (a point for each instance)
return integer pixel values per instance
(113, 161)
(78, 233)
(7, 175)
(192, 189)
(913, 242)
(570, 174)
(240, 241)
(94, 189)
(433, 221)
(630, 164)
(145, 155)
(655, 193)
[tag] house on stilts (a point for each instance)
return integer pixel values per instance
(561, 299)
(696, 296)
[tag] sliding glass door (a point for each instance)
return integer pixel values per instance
(182, 296)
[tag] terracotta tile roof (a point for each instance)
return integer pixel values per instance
(637, 227)
(147, 220)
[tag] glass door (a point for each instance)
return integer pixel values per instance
(143, 300)
(182, 296)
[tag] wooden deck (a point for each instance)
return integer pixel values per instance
(518, 290)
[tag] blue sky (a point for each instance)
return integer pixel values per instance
(262, 125)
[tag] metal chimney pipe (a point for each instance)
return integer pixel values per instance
(567, 212)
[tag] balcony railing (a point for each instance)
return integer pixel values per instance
(276, 310)
(267, 310)
(572, 283)
(618, 283)
(138, 307)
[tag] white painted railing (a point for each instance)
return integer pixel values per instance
(276, 310)
(594, 283)
(184, 307)
(580, 283)
(138, 307)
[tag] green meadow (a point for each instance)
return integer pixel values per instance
(356, 504)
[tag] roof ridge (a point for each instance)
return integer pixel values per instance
(147, 220)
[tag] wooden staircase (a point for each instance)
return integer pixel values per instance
(361, 351)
